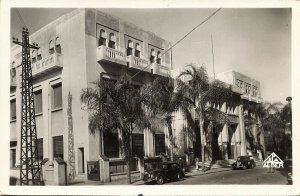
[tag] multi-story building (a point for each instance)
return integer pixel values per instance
(240, 136)
(79, 48)
(75, 51)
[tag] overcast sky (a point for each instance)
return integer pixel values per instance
(255, 42)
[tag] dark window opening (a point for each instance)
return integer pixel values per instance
(111, 144)
(129, 48)
(160, 146)
(112, 41)
(40, 149)
(137, 145)
(13, 157)
(33, 56)
(57, 96)
(51, 47)
(57, 45)
(152, 56)
(58, 147)
(102, 38)
(137, 52)
(39, 54)
(13, 114)
(38, 102)
(158, 59)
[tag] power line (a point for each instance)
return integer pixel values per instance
(20, 18)
(209, 17)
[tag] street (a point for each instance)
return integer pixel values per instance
(258, 175)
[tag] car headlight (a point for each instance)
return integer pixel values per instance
(290, 174)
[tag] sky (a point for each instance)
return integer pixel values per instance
(255, 42)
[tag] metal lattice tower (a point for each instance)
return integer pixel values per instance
(29, 163)
(71, 156)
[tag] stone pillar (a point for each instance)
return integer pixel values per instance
(242, 130)
(141, 165)
(104, 169)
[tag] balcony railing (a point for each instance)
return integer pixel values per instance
(47, 65)
(138, 63)
(253, 98)
(109, 55)
(161, 70)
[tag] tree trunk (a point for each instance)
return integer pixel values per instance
(128, 161)
(171, 141)
(201, 122)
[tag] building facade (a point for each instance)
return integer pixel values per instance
(75, 51)
(242, 135)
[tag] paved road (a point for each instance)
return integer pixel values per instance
(258, 175)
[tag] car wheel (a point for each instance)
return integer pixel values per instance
(179, 176)
(244, 167)
(252, 166)
(160, 180)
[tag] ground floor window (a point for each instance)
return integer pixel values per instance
(12, 157)
(58, 147)
(40, 148)
(137, 145)
(160, 146)
(13, 145)
(111, 144)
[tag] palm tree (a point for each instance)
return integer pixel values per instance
(115, 106)
(200, 93)
(162, 102)
(268, 116)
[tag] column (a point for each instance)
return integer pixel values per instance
(242, 129)
(224, 136)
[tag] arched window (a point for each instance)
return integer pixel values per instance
(51, 47)
(112, 41)
(39, 54)
(129, 48)
(33, 57)
(158, 59)
(137, 52)
(152, 56)
(57, 45)
(102, 38)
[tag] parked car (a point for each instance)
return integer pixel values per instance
(288, 166)
(244, 162)
(168, 171)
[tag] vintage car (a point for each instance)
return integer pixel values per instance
(168, 171)
(244, 162)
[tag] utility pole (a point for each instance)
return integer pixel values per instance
(29, 163)
(213, 55)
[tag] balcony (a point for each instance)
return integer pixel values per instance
(250, 97)
(161, 70)
(138, 63)
(47, 65)
(109, 55)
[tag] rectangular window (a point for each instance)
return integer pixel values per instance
(239, 84)
(13, 145)
(40, 148)
(137, 145)
(111, 144)
(38, 102)
(160, 146)
(12, 157)
(58, 147)
(254, 92)
(13, 114)
(248, 86)
(57, 96)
